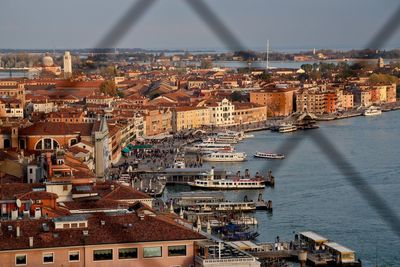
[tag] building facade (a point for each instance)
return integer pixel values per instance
(184, 118)
(278, 100)
(221, 113)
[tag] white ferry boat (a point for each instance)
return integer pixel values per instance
(223, 207)
(269, 155)
(287, 128)
(245, 220)
(227, 184)
(225, 157)
(211, 146)
(226, 139)
(229, 136)
(372, 111)
(221, 140)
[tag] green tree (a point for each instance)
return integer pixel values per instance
(378, 78)
(265, 77)
(237, 96)
(206, 64)
(108, 88)
(307, 67)
(108, 72)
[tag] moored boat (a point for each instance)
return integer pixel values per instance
(287, 128)
(238, 182)
(228, 184)
(210, 146)
(267, 155)
(223, 207)
(225, 157)
(372, 111)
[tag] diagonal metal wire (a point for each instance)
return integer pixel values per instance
(381, 37)
(386, 31)
(216, 25)
(233, 43)
(354, 177)
(125, 23)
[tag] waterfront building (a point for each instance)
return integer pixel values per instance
(157, 120)
(367, 95)
(278, 100)
(347, 100)
(391, 93)
(221, 112)
(98, 240)
(184, 118)
(247, 113)
(67, 65)
(319, 101)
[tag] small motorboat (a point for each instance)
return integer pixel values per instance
(267, 155)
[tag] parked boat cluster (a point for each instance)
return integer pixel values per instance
(219, 147)
(230, 221)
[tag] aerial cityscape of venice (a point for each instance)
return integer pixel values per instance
(199, 133)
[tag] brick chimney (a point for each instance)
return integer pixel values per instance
(49, 163)
(14, 137)
(18, 231)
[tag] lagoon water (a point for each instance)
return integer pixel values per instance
(311, 194)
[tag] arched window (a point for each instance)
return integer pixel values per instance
(47, 144)
(55, 144)
(39, 145)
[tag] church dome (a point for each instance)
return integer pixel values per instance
(47, 61)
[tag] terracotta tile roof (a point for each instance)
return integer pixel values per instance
(11, 155)
(126, 228)
(76, 149)
(120, 192)
(92, 204)
(10, 179)
(56, 128)
(13, 191)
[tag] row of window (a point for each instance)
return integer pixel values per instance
(107, 254)
(49, 144)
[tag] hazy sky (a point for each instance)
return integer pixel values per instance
(288, 24)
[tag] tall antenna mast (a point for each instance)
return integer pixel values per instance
(267, 54)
